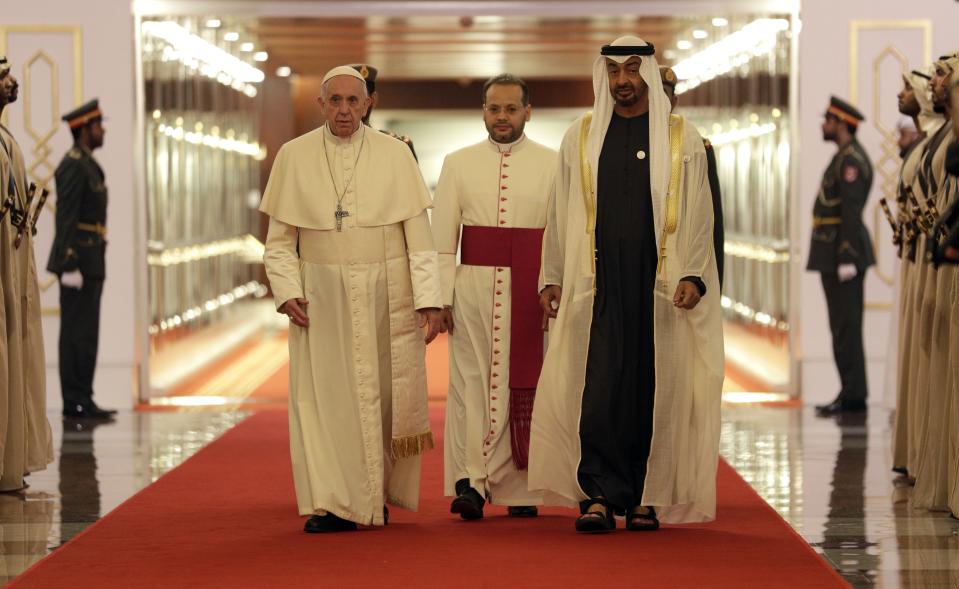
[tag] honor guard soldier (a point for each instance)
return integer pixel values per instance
(719, 238)
(841, 251)
(77, 257)
(369, 74)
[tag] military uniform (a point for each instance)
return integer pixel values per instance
(839, 238)
(80, 245)
(712, 174)
(369, 74)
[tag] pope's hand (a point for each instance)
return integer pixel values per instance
(687, 295)
(433, 318)
(549, 299)
(846, 272)
(447, 315)
(295, 309)
(72, 279)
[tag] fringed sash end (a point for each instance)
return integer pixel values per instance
(412, 445)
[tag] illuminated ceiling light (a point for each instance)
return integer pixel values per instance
(284, 71)
(720, 22)
(260, 56)
(669, 54)
(700, 34)
(231, 36)
(191, 49)
(756, 38)
(246, 47)
(213, 23)
(684, 45)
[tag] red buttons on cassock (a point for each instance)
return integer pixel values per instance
(504, 187)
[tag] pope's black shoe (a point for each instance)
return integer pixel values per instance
(87, 411)
(325, 524)
(468, 503)
(522, 511)
(840, 406)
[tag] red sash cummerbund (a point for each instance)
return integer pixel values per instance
(520, 250)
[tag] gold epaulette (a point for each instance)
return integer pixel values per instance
(707, 143)
(74, 154)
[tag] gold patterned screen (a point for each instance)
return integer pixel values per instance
(43, 57)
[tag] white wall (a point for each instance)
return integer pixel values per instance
(107, 72)
(824, 59)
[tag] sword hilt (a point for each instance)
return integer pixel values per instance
(896, 234)
(44, 193)
(25, 217)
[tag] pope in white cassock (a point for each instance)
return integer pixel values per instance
(627, 413)
(496, 191)
(350, 258)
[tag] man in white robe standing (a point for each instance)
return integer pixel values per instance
(350, 258)
(627, 413)
(496, 190)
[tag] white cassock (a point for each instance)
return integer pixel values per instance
(24, 428)
(681, 475)
(358, 400)
(500, 191)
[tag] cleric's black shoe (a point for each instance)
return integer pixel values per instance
(522, 511)
(91, 411)
(325, 524)
(840, 406)
(468, 503)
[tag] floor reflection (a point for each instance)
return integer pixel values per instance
(98, 466)
(831, 479)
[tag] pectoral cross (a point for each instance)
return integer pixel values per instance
(339, 214)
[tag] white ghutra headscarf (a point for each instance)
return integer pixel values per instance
(620, 51)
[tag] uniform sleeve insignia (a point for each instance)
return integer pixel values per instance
(850, 173)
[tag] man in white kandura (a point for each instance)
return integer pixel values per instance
(350, 258)
(627, 410)
(496, 190)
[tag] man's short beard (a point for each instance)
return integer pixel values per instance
(626, 102)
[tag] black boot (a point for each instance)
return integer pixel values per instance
(468, 503)
(840, 405)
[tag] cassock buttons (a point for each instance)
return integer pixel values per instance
(641, 154)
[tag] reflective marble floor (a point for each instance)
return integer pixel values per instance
(829, 479)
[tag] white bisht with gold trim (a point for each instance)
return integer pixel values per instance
(358, 399)
(681, 474)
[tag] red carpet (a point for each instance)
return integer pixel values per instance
(227, 518)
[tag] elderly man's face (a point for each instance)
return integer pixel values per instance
(9, 88)
(908, 105)
(625, 84)
(345, 104)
